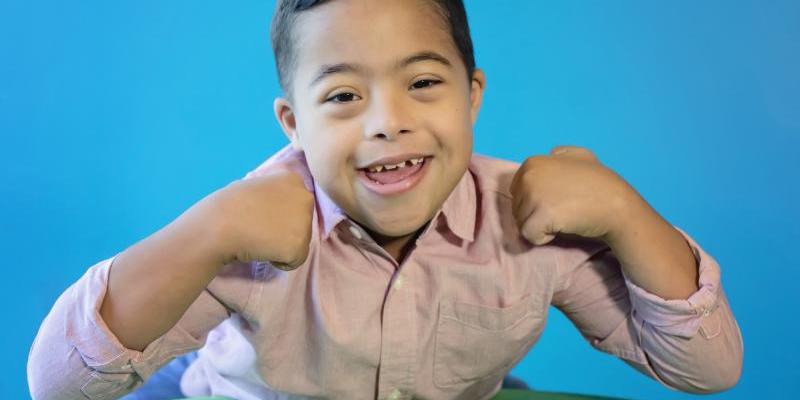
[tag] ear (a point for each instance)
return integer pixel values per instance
(284, 113)
(477, 85)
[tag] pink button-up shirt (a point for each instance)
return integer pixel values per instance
(449, 322)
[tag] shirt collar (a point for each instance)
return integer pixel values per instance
(459, 210)
(330, 214)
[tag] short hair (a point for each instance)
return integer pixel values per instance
(286, 12)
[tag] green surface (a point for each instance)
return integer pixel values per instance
(206, 398)
(517, 394)
(505, 394)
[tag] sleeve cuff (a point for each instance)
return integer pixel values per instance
(680, 318)
(99, 348)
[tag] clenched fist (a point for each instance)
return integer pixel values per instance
(265, 218)
(568, 191)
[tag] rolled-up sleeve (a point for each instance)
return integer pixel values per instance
(692, 345)
(76, 356)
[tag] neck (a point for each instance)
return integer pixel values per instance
(397, 246)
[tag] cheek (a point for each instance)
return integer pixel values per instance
(453, 128)
(456, 139)
(324, 139)
(451, 114)
(329, 152)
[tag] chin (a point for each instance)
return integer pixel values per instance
(397, 227)
(399, 231)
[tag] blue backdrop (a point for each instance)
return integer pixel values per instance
(116, 117)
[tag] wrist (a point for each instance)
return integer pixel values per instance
(630, 214)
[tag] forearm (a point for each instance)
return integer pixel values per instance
(653, 254)
(152, 283)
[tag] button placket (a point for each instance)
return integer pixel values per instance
(396, 394)
(398, 282)
(356, 232)
(398, 344)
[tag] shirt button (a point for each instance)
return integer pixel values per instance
(706, 312)
(355, 232)
(395, 395)
(398, 282)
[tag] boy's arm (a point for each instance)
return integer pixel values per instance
(129, 315)
(76, 356)
(133, 313)
(120, 322)
(264, 217)
(692, 345)
(152, 283)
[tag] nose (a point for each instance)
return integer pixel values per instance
(388, 117)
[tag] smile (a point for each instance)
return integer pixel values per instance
(394, 177)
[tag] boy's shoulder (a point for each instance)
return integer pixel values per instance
(493, 174)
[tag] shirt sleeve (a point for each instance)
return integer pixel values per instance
(692, 345)
(76, 356)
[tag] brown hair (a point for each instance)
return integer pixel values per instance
(286, 11)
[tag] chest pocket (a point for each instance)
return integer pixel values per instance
(475, 342)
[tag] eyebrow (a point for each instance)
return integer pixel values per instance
(332, 69)
(424, 56)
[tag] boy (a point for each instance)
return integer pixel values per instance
(377, 257)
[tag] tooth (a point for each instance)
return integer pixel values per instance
(402, 164)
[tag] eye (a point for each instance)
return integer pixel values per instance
(425, 83)
(345, 97)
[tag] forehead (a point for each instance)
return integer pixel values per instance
(369, 32)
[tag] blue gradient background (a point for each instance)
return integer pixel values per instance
(116, 117)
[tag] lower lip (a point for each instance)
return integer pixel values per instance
(398, 187)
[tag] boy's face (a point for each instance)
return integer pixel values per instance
(376, 83)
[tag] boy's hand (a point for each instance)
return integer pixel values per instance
(153, 283)
(265, 218)
(568, 191)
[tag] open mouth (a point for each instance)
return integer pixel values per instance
(394, 178)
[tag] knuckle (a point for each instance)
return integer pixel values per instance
(532, 161)
(287, 256)
(587, 151)
(561, 148)
(283, 266)
(574, 150)
(298, 257)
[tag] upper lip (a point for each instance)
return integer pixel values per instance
(393, 160)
